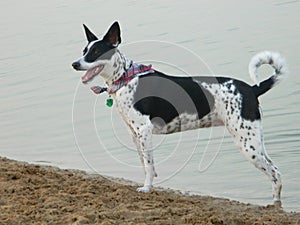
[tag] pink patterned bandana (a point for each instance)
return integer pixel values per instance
(133, 71)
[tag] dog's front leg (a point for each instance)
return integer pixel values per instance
(139, 150)
(145, 143)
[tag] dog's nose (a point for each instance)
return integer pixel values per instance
(76, 65)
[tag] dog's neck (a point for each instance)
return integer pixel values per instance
(116, 68)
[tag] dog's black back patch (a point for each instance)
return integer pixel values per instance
(164, 97)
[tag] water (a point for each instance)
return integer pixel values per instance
(49, 117)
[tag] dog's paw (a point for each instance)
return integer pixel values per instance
(278, 204)
(144, 189)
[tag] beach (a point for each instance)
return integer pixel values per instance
(38, 194)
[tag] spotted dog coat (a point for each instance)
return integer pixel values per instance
(161, 104)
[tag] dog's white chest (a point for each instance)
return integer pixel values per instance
(125, 100)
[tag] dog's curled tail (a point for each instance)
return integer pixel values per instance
(276, 61)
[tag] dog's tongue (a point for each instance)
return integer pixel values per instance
(91, 73)
(88, 75)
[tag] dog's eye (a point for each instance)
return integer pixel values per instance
(96, 52)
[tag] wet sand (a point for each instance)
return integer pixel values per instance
(34, 194)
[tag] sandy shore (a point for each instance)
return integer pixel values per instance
(32, 194)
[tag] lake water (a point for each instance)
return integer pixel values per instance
(49, 117)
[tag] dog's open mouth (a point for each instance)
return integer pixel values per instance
(91, 73)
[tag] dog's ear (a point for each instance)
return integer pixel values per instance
(113, 35)
(89, 35)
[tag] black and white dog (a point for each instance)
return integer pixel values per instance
(151, 102)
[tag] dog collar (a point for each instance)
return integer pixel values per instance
(134, 70)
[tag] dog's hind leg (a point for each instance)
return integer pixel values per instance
(248, 136)
(272, 172)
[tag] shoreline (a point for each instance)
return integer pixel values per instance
(38, 194)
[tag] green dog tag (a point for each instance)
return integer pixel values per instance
(109, 102)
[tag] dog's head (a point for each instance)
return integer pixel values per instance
(97, 54)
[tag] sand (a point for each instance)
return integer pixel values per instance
(35, 194)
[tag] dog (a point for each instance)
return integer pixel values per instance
(151, 102)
